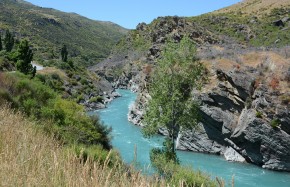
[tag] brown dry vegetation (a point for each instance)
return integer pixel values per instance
(256, 7)
(30, 158)
(272, 67)
(53, 70)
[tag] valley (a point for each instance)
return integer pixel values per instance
(65, 73)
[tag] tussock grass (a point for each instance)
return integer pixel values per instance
(28, 157)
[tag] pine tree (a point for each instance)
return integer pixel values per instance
(8, 41)
(24, 58)
(172, 106)
(64, 53)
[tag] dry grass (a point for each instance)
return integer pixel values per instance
(272, 65)
(53, 70)
(257, 7)
(30, 158)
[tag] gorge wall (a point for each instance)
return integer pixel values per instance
(245, 103)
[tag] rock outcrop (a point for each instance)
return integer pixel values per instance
(231, 124)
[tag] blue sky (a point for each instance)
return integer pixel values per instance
(128, 13)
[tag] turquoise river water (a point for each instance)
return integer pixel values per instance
(128, 137)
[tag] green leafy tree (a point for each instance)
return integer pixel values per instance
(1, 43)
(24, 57)
(8, 41)
(64, 53)
(172, 106)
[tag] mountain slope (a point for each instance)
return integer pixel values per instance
(49, 29)
(255, 7)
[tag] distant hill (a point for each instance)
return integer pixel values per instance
(48, 29)
(256, 7)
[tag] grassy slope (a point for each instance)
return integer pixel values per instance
(49, 29)
(28, 157)
(256, 7)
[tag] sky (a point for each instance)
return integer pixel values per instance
(128, 13)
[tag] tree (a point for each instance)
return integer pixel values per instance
(64, 53)
(24, 57)
(172, 106)
(1, 43)
(8, 41)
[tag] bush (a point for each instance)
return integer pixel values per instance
(275, 123)
(96, 99)
(5, 98)
(259, 114)
(285, 99)
(68, 121)
(174, 173)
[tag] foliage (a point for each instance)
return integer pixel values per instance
(29, 157)
(172, 106)
(96, 99)
(68, 121)
(8, 41)
(24, 58)
(275, 123)
(5, 63)
(88, 41)
(165, 152)
(245, 28)
(259, 114)
(64, 53)
(177, 174)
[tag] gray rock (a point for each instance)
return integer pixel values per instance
(233, 156)
(260, 143)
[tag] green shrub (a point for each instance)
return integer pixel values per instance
(97, 153)
(84, 81)
(96, 99)
(174, 173)
(259, 114)
(67, 120)
(275, 123)
(6, 98)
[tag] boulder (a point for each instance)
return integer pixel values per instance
(278, 23)
(233, 156)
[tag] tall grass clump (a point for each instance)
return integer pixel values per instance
(28, 157)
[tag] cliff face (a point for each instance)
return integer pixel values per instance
(245, 103)
(242, 119)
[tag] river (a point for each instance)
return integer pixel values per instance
(127, 138)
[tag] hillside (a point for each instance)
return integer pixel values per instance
(47, 29)
(255, 7)
(245, 104)
(29, 157)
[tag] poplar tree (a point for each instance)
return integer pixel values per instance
(64, 53)
(8, 41)
(172, 106)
